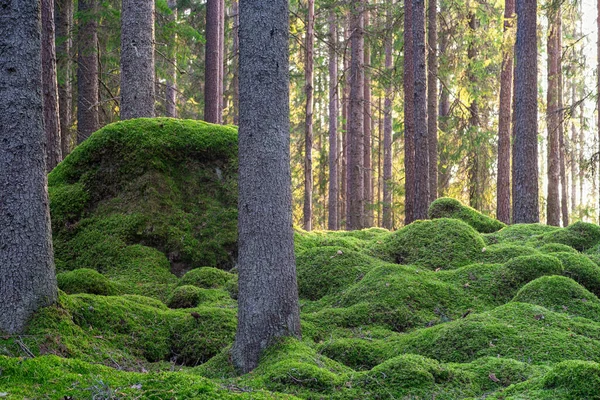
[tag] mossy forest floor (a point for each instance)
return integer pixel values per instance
(144, 223)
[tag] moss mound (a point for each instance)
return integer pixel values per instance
(580, 378)
(85, 280)
(162, 185)
(186, 296)
(581, 236)
(521, 234)
(446, 207)
(582, 270)
(501, 253)
(206, 277)
(440, 243)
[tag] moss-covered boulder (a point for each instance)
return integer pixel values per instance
(521, 234)
(581, 236)
(446, 207)
(186, 296)
(582, 270)
(206, 277)
(440, 243)
(163, 184)
(85, 280)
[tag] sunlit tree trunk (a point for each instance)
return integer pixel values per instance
(432, 98)
(368, 171)
(409, 117)
(308, 121)
(333, 201)
(171, 84)
(387, 125)
(553, 198)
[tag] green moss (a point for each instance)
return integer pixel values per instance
(581, 236)
(521, 234)
(446, 207)
(580, 378)
(358, 354)
(520, 270)
(560, 294)
(206, 277)
(556, 248)
(186, 296)
(441, 243)
(501, 253)
(582, 270)
(85, 280)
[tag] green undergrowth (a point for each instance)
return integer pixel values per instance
(457, 307)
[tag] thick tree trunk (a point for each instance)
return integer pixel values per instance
(171, 88)
(387, 126)
(63, 17)
(27, 276)
(504, 121)
(235, 62)
(87, 70)
(308, 120)
(137, 59)
(553, 198)
(332, 223)
(50, 87)
(212, 68)
(356, 182)
(368, 121)
(525, 172)
(432, 97)
(420, 110)
(268, 293)
(409, 117)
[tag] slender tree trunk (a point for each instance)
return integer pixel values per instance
(561, 125)
(87, 70)
(63, 14)
(409, 116)
(212, 68)
(308, 122)
(171, 91)
(268, 293)
(380, 135)
(598, 97)
(344, 141)
(221, 84)
(368, 120)
(27, 276)
(475, 162)
(444, 173)
(356, 180)
(432, 97)
(553, 199)
(525, 174)
(420, 104)
(50, 87)
(137, 59)
(573, 146)
(387, 125)
(332, 223)
(504, 123)
(236, 53)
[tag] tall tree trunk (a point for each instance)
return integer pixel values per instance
(573, 147)
(432, 97)
(87, 70)
(420, 109)
(598, 98)
(343, 218)
(561, 126)
(171, 90)
(356, 180)
(268, 293)
(27, 276)
(308, 121)
(475, 162)
(387, 123)
(504, 123)
(63, 17)
(553, 200)
(222, 58)
(368, 120)
(212, 68)
(50, 87)
(525, 172)
(137, 59)
(236, 54)
(409, 116)
(444, 172)
(332, 223)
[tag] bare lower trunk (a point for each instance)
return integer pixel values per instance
(432, 97)
(561, 130)
(63, 16)
(308, 121)
(235, 67)
(27, 276)
(368, 220)
(332, 223)
(87, 70)
(171, 90)
(553, 199)
(212, 68)
(409, 117)
(387, 128)
(222, 59)
(268, 293)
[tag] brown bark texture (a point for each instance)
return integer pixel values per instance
(87, 70)
(432, 97)
(409, 117)
(368, 120)
(308, 117)
(171, 84)
(27, 276)
(213, 61)
(333, 199)
(63, 17)
(553, 197)
(387, 127)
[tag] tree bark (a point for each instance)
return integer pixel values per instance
(504, 122)
(268, 293)
(573, 147)
(387, 125)
(564, 198)
(63, 14)
(343, 217)
(50, 88)
(235, 62)
(222, 59)
(308, 121)
(409, 117)
(332, 223)
(475, 162)
(444, 172)
(27, 276)
(368, 120)
(356, 195)
(432, 97)
(212, 68)
(137, 59)
(420, 111)
(87, 70)
(171, 88)
(525, 173)
(553, 198)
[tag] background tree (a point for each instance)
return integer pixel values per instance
(308, 122)
(171, 83)
(87, 70)
(333, 222)
(387, 125)
(63, 17)
(213, 62)
(552, 120)
(432, 97)
(409, 116)
(268, 293)
(27, 277)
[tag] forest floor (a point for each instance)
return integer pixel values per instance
(144, 224)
